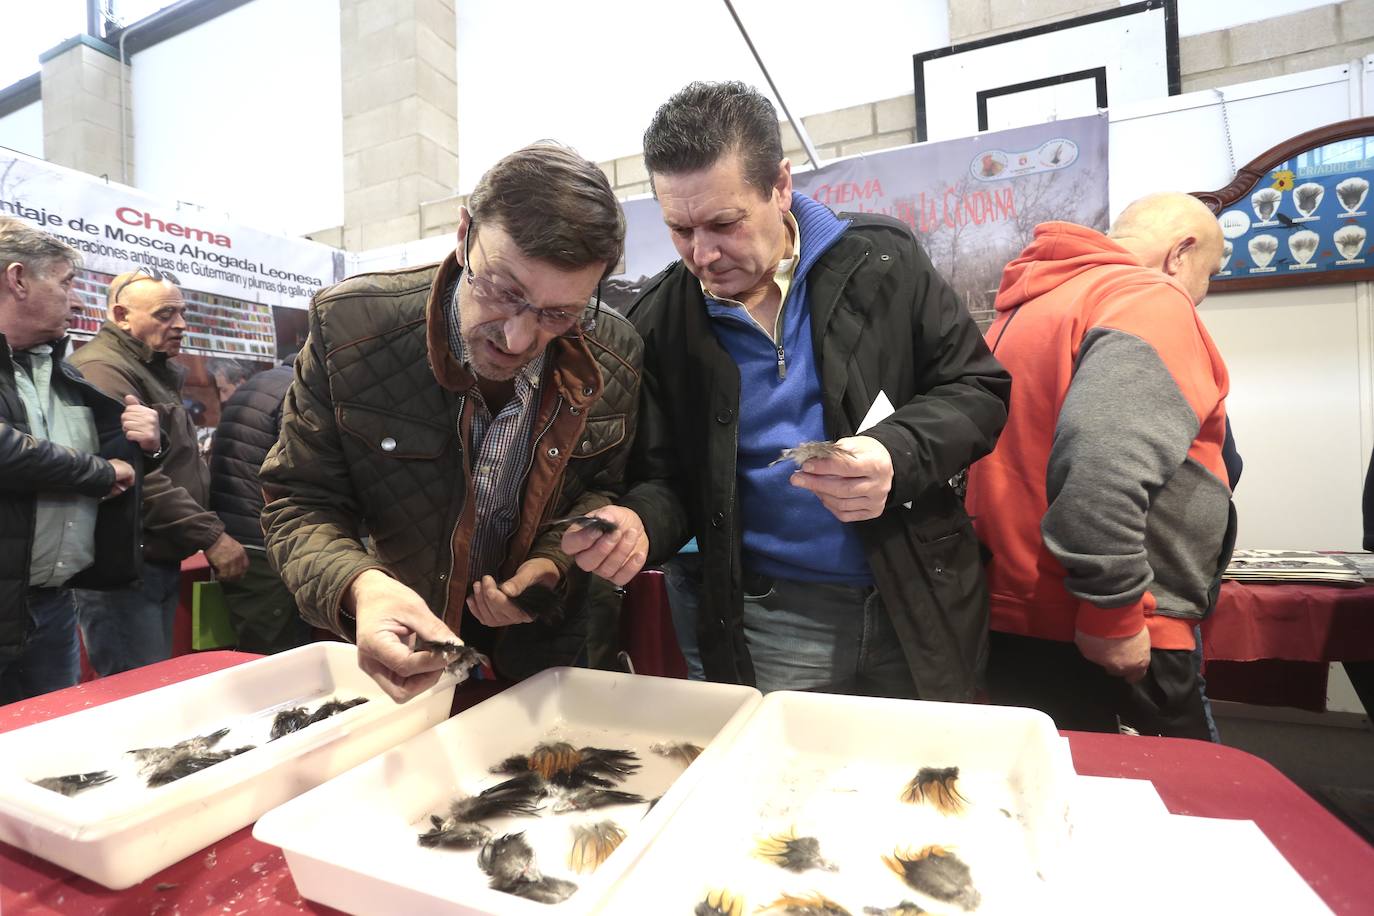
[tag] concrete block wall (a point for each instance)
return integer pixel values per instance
(81, 121)
(1320, 37)
(860, 129)
(970, 20)
(400, 116)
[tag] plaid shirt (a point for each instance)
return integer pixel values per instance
(500, 450)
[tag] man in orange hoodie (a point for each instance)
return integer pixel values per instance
(1106, 504)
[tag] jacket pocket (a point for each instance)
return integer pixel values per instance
(599, 435)
(953, 566)
(390, 435)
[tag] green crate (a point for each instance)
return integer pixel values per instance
(210, 626)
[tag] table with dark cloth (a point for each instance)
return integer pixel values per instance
(239, 874)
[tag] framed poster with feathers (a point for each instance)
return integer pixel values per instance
(1300, 213)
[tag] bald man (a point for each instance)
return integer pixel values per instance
(1106, 504)
(131, 354)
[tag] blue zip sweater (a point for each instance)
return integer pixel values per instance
(787, 532)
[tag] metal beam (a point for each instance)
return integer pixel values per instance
(796, 123)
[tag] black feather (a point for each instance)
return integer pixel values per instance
(509, 861)
(587, 799)
(545, 890)
(73, 783)
(596, 523)
(516, 763)
(333, 708)
(288, 721)
(937, 872)
(540, 602)
(193, 763)
(517, 796)
(445, 835)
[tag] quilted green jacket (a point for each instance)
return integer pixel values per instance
(374, 440)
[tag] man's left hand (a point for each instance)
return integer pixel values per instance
(854, 487)
(490, 601)
(140, 424)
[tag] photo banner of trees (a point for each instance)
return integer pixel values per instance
(973, 203)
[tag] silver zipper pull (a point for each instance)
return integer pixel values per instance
(782, 362)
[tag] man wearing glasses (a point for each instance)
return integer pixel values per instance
(132, 354)
(450, 412)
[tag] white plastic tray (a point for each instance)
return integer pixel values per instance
(351, 843)
(834, 767)
(119, 833)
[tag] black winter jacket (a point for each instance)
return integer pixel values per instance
(29, 466)
(883, 320)
(248, 427)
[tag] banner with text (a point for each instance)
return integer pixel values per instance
(117, 228)
(973, 203)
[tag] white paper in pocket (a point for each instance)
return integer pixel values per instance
(882, 409)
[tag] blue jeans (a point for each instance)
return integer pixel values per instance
(682, 577)
(50, 658)
(131, 627)
(1202, 687)
(821, 637)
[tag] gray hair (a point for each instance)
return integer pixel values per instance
(35, 249)
(704, 122)
(232, 370)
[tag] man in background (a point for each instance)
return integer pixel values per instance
(262, 611)
(228, 374)
(71, 463)
(1107, 503)
(132, 354)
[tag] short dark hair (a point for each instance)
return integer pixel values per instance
(704, 121)
(555, 205)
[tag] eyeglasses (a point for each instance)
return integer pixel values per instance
(146, 273)
(497, 298)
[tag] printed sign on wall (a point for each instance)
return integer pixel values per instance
(244, 288)
(973, 203)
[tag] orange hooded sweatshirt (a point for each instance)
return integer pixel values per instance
(1105, 504)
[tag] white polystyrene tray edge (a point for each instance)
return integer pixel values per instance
(59, 809)
(599, 886)
(51, 812)
(267, 828)
(274, 827)
(677, 795)
(534, 684)
(709, 780)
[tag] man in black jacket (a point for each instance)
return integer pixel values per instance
(262, 611)
(70, 466)
(854, 572)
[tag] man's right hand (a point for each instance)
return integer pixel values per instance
(389, 615)
(124, 477)
(228, 558)
(140, 424)
(616, 555)
(1127, 658)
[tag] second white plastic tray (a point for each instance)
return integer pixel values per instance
(834, 768)
(351, 843)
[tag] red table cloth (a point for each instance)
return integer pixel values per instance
(239, 874)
